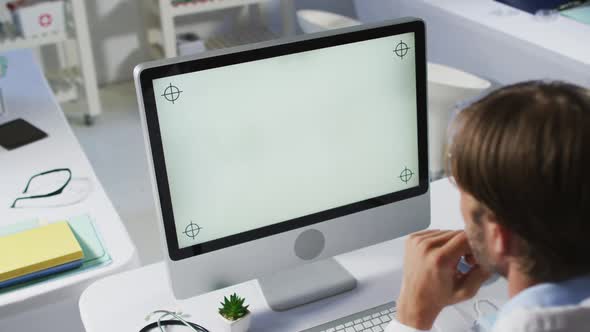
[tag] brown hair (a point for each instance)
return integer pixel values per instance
(524, 153)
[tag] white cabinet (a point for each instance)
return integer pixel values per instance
(163, 40)
(76, 75)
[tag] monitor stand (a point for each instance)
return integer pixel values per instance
(305, 284)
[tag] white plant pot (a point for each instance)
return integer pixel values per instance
(240, 325)
(446, 88)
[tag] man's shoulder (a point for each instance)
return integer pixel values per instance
(564, 318)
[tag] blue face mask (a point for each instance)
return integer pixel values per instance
(485, 323)
(486, 316)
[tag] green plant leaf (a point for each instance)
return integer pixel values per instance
(233, 308)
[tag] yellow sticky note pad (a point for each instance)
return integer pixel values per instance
(38, 249)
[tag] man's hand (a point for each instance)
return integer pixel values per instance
(431, 280)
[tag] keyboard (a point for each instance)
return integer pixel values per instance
(371, 320)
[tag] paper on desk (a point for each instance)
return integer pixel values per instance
(95, 254)
(36, 250)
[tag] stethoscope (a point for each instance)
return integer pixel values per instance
(177, 321)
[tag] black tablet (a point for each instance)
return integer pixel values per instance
(19, 132)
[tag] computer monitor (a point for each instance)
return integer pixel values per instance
(268, 160)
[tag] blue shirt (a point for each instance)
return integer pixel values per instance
(569, 292)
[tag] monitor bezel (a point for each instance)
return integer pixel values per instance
(270, 50)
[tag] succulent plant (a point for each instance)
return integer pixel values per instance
(233, 308)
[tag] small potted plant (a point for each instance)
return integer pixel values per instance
(235, 314)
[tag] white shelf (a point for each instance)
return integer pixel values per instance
(211, 5)
(241, 37)
(163, 42)
(77, 32)
(66, 84)
(65, 94)
(16, 42)
(251, 35)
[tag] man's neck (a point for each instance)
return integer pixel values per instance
(518, 281)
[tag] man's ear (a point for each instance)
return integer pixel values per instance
(500, 239)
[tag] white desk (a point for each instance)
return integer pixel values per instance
(470, 35)
(52, 305)
(121, 302)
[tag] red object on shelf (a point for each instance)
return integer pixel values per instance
(45, 20)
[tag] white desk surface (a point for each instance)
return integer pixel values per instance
(560, 35)
(28, 96)
(471, 36)
(121, 302)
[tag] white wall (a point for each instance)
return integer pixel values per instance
(115, 26)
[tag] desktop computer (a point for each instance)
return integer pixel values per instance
(267, 160)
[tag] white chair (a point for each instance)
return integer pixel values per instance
(447, 86)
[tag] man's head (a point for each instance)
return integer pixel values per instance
(521, 158)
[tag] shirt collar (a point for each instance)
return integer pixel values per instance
(569, 292)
